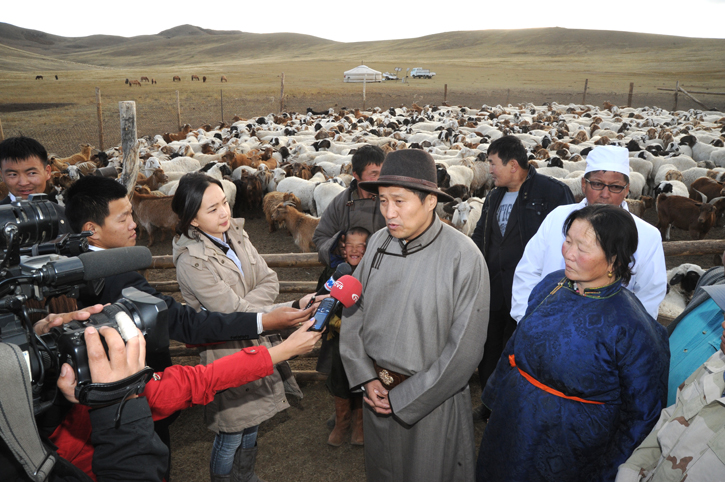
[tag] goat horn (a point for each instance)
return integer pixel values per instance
(715, 199)
(704, 198)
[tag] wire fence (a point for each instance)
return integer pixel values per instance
(78, 123)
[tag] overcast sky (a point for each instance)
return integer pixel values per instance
(354, 21)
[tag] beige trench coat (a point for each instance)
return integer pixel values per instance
(209, 279)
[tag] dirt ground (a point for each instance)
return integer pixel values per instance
(292, 445)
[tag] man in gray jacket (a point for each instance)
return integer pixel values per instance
(354, 207)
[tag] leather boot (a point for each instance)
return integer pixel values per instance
(342, 422)
(219, 478)
(243, 468)
(357, 437)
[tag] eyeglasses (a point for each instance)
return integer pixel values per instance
(599, 186)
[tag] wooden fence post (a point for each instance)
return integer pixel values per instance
(445, 94)
(584, 97)
(178, 110)
(677, 91)
(281, 94)
(99, 112)
(2, 134)
(221, 92)
(129, 144)
(631, 90)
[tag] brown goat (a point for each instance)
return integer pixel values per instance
(153, 213)
(236, 160)
(179, 136)
(82, 156)
(685, 213)
(301, 226)
(158, 178)
(708, 187)
(274, 199)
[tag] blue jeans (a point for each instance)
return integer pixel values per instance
(226, 445)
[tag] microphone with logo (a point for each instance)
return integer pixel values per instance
(345, 291)
(342, 270)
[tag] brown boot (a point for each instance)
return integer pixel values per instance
(342, 422)
(357, 437)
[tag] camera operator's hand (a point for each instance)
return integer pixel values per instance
(298, 343)
(285, 317)
(123, 360)
(43, 326)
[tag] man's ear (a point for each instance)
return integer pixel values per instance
(93, 228)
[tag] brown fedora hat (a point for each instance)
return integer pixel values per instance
(411, 169)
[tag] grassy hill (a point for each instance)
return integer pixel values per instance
(186, 44)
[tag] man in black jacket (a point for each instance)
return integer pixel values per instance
(352, 208)
(25, 171)
(510, 216)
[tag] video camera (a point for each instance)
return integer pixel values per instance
(38, 264)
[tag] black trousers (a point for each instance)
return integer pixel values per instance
(500, 328)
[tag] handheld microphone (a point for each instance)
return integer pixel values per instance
(342, 270)
(345, 291)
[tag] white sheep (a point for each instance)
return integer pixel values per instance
(682, 281)
(324, 193)
(301, 188)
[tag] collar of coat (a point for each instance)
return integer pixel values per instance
(201, 247)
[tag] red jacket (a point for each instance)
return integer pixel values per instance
(176, 388)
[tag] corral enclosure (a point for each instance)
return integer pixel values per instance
(537, 66)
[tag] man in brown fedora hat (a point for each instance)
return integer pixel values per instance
(414, 338)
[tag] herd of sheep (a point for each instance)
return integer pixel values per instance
(677, 159)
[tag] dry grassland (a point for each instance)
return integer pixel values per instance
(538, 65)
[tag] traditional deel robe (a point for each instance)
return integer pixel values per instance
(423, 313)
(602, 347)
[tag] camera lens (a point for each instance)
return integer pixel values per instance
(36, 221)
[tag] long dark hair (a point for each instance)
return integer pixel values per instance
(188, 197)
(616, 234)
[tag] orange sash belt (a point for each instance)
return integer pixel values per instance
(538, 384)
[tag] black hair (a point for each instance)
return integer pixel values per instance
(358, 230)
(188, 197)
(88, 198)
(589, 174)
(18, 149)
(616, 234)
(366, 155)
(508, 148)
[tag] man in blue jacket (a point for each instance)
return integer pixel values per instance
(511, 215)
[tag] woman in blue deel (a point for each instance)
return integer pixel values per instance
(584, 377)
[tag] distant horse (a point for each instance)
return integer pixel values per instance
(194, 77)
(126, 81)
(204, 78)
(145, 79)
(56, 77)
(38, 77)
(131, 83)
(153, 81)
(176, 77)
(224, 78)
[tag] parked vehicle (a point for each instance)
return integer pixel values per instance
(389, 76)
(419, 73)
